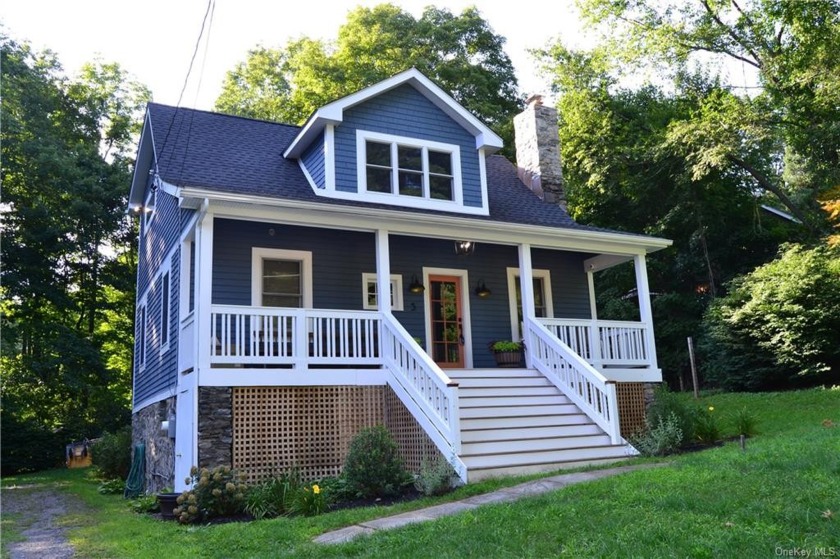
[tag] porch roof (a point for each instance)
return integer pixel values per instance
(235, 155)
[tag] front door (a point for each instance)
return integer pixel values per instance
(445, 312)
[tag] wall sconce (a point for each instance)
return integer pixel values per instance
(482, 290)
(415, 286)
(464, 248)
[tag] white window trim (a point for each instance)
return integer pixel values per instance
(512, 276)
(456, 204)
(165, 343)
(258, 254)
(396, 287)
(149, 209)
(142, 334)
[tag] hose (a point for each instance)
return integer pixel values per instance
(137, 476)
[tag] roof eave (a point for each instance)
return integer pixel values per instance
(143, 164)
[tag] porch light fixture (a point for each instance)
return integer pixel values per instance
(464, 248)
(415, 286)
(482, 291)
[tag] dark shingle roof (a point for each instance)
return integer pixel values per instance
(244, 156)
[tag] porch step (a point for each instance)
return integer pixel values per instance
(515, 421)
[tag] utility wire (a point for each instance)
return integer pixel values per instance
(207, 13)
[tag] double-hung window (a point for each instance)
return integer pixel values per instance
(281, 278)
(410, 168)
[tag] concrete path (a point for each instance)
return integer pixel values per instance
(508, 494)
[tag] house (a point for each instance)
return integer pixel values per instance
(262, 336)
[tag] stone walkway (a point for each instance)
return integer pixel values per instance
(508, 494)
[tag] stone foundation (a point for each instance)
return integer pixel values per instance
(215, 426)
(160, 449)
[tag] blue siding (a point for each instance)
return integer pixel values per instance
(160, 372)
(164, 234)
(339, 258)
(313, 160)
(404, 112)
(490, 317)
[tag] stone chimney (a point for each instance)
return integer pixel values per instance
(538, 151)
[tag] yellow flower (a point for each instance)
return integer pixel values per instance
(316, 489)
(711, 408)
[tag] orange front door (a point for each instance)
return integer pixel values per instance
(447, 321)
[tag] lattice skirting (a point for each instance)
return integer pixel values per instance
(310, 428)
(631, 407)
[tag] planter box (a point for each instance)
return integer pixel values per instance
(508, 359)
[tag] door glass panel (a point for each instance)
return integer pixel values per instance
(447, 347)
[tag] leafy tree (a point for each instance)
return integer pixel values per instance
(67, 257)
(778, 325)
(624, 172)
(789, 44)
(461, 53)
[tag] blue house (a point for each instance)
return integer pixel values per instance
(296, 284)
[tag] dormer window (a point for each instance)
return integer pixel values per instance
(397, 166)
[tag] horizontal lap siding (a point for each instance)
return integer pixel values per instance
(569, 288)
(339, 258)
(313, 161)
(490, 317)
(405, 112)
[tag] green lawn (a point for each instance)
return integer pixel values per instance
(765, 502)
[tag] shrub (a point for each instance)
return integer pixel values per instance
(217, 492)
(144, 504)
(435, 477)
(666, 404)
(374, 467)
(706, 430)
(308, 501)
(660, 438)
(111, 454)
(744, 423)
(777, 326)
(114, 486)
(274, 496)
(337, 489)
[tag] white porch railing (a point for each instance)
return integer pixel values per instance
(299, 337)
(283, 336)
(577, 379)
(607, 343)
(430, 395)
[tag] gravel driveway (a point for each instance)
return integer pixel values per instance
(37, 511)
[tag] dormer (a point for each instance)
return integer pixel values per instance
(401, 142)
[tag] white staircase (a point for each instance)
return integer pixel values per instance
(515, 421)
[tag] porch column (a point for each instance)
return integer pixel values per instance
(204, 287)
(645, 309)
(526, 289)
(594, 330)
(383, 272)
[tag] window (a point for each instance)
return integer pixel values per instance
(165, 306)
(281, 278)
(543, 307)
(369, 299)
(149, 209)
(141, 337)
(408, 167)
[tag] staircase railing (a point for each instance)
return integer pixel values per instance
(591, 391)
(424, 389)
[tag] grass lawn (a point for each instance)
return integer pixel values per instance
(780, 497)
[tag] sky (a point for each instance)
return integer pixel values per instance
(154, 39)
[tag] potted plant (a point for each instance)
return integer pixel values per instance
(168, 500)
(507, 352)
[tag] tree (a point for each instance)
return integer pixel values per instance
(623, 172)
(67, 253)
(778, 325)
(791, 45)
(460, 53)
